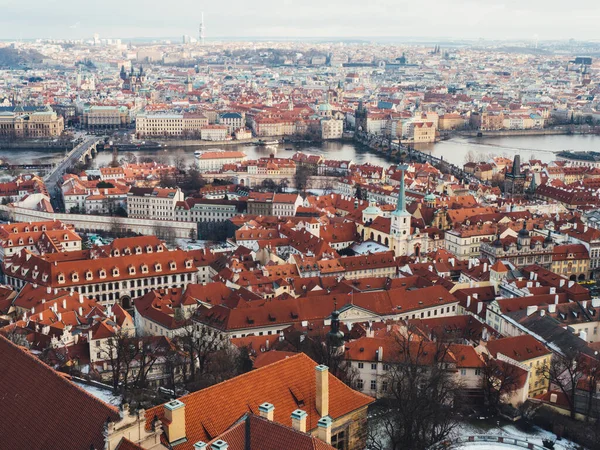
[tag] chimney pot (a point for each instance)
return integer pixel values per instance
(200, 445)
(299, 420)
(219, 445)
(324, 429)
(267, 411)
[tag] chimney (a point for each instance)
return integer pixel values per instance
(562, 282)
(571, 283)
(476, 296)
(552, 308)
(200, 445)
(531, 310)
(80, 298)
(553, 398)
(324, 429)
(299, 420)
(479, 307)
(219, 445)
(48, 290)
(64, 303)
(542, 313)
(380, 354)
(468, 301)
(175, 416)
(322, 394)
(266, 410)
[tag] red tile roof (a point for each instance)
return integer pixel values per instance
(257, 433)
(289, 384)
(45, 409)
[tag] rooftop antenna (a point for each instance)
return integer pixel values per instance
(201, 29)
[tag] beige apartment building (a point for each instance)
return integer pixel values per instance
(170, 124)
(153, 203)
(106, 117)
(158, 125)
(39, 124)
(332, 129)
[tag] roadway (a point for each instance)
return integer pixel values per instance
(69, 161)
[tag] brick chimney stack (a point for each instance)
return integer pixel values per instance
(322, 394)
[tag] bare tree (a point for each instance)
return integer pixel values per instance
(470, 157)
(301, 178)
(564, 371)
(422, 394)
(499, 380)
(165, 232)
(120, 351)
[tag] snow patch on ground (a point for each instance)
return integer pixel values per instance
(106, 395)
(534, 435)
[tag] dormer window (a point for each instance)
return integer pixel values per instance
(188, 263)
(10, 243)
(35, 228)
(131, 270)
(61, 278)
(127, 251)
(45, 277)
(75, 277)
(158, 267)
(116, 252)
(26, 229)
(115, 272)
(148, 249)
(144, 268)
(138, 250)
(102, 273)
(30, 240)
(43, 227)
(66, 237)
(89, 275)
(172, 265)
(159, 248)
(20, 241)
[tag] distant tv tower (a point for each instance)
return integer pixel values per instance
(201, 29)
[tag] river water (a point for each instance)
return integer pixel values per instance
(454, 150)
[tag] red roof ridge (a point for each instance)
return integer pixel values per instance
(59, 374)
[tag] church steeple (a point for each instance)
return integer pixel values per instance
(335, 337)
(401, 202)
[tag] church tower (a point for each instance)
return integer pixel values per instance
(400, 225)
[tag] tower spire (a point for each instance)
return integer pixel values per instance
(401, 203)
(201, 29)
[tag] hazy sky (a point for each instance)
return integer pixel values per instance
(509, 19)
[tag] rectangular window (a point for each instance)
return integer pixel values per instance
(463, 372)
(373, 385)
(374, 366)
(361, 365)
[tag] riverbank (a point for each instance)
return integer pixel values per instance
(521, 133)
(36, 144)
(178, 143)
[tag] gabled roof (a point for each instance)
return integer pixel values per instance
(45, 409)
(288, 384)
(256, 433)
